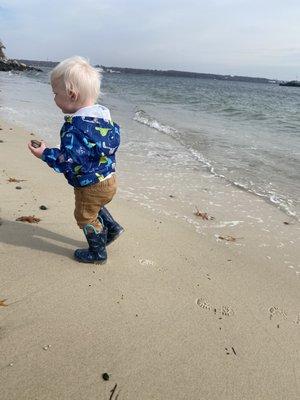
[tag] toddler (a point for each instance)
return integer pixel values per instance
(89, 141)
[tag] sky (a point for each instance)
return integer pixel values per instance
(238, 37)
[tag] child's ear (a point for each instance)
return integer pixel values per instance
(73, 95)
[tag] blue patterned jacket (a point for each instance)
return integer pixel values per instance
(87, 151)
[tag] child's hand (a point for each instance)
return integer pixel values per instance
(37, 151)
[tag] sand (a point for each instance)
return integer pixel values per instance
(172, 315)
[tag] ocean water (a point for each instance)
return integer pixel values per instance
(245, 134)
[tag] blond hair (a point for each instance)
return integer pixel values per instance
(78, 76)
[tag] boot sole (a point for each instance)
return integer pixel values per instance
(115, 238)
(97, 262)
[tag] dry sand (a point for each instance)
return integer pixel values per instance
(173, 315)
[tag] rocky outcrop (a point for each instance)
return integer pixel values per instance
(14, 65)
(290, 83)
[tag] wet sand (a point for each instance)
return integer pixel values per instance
(174, 314)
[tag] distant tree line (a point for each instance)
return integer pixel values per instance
(183, 74)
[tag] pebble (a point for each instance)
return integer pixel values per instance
(18, 187)
(43, 208)
(47, 347)
(105, 376)
(11, 364)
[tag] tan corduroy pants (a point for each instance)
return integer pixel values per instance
(89, 200)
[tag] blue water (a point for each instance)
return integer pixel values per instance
(245, 133)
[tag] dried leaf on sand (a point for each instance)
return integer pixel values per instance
(30, 218)
(2, 303)
(15, 180)
(228, 238)
(203, 215)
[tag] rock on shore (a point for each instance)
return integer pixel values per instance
(14, 65)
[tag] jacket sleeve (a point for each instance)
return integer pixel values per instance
(64, 159)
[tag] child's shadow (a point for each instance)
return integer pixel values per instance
(26, 235)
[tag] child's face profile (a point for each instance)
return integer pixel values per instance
(64, 100)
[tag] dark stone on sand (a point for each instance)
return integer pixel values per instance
(18, 187)
(43, 208)
(105, 376)
(1, 141)
(36, 143)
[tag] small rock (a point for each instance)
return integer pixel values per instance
(43, 208)
(11, 364)
(18, 187)
(36, 143)
(105, 376)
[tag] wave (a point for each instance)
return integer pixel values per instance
(142, 117)
(280, 201)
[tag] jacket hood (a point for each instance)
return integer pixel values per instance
(95, 111)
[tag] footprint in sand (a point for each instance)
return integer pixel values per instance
(277, 312)
(223, 310)
(297, 320)
(204, 304)
(143, 261)
(227, 311)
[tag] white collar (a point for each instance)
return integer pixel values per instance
(95, 111)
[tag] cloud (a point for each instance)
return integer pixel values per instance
(193, 35)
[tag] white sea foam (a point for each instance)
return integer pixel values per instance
(282, 202)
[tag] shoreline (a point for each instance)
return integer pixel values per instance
(281, 201)
(175, 313)
(40, 114)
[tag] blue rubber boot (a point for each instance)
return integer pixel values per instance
(114, 230)
(96, 253)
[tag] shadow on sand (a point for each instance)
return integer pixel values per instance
(22, 234)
